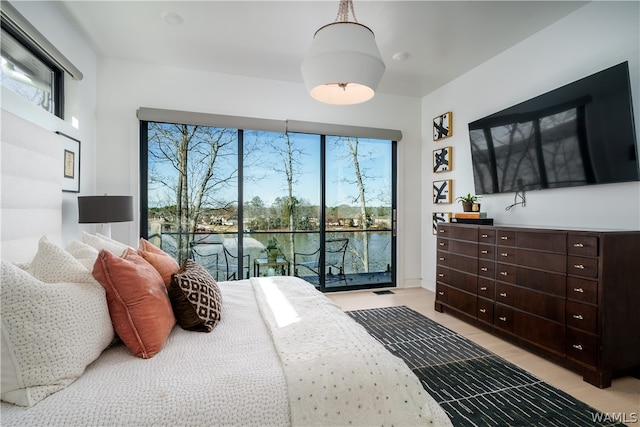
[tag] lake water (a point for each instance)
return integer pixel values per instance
(208, 248)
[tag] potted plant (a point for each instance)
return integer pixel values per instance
(272, 249)
(470, 202)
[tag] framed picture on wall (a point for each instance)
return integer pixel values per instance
(70, 163)
(442, 191)
(439, 218)
(442, 160)
(443, 126)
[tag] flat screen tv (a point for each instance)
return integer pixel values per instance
(582, 133)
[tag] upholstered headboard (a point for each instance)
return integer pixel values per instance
(31, 206)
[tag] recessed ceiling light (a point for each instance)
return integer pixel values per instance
(400, 56)
(172, 18)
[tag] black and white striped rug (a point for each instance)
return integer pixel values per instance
(474, 386)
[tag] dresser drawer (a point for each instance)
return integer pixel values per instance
(487, 269)
(457, 299)
(579, 266)
(581, 245)
(486, 288)
(542, 260)
(506, 254)
(582, 347)
(538, 280)
(487, 235)
(582, 316)
(536, 259)
(503, 317)
(506, 272)
(463, 247)
(583, 290)
(506, 238)
(536, 303)
(457, 279)
(458, 262)
(458, 232)
(542, 332)
(485, 310)
(550, 242)
(487, 252)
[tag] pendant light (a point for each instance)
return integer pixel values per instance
(344, 65)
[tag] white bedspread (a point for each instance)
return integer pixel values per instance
(338, 374)
(234, 375)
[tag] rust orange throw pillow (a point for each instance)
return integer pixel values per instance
(159, 259)
(138, 302)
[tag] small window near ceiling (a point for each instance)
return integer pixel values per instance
(30, 75)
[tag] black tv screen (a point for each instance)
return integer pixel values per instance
(582, 133)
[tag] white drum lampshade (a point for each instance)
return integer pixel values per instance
(344, 65)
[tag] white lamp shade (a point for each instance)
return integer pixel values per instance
(344, 65)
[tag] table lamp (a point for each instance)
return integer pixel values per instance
(104, 210)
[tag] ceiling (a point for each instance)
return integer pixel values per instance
(269, 39)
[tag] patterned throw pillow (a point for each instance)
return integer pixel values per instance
(195, 297)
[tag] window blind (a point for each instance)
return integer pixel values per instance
(250, 123)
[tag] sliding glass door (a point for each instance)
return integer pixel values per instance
(247, 203)
(359, 207)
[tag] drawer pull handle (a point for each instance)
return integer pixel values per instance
(504, 254)
(578, 316)
(440, 293)
(504, 238)
(504, 273)
(441, 243)
(578, 245)
(484, 269)
(441, 258)
(484, 251)
(577, 346)
(580, 290)
(503, 294)
(484, 288)
(483, 310)
(442, 231)
(440, 274)
(503, 318)
(484, 236)
(578, 266)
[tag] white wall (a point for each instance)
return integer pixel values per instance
(46, 17)
(125, 86)
(595, 37)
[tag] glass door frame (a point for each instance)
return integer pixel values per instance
(240, 233)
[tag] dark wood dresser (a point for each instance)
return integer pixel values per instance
(570, 295)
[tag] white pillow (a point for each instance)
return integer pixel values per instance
(52, 264)
(84, 253)
(100, 242)
(50, 333)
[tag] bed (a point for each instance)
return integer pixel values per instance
(280, 354)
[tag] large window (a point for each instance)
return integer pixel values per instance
(247, 203)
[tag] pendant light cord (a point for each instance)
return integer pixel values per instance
(346, 7)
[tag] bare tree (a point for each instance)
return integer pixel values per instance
(193, 163)
(290, 165)
(352, 145)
